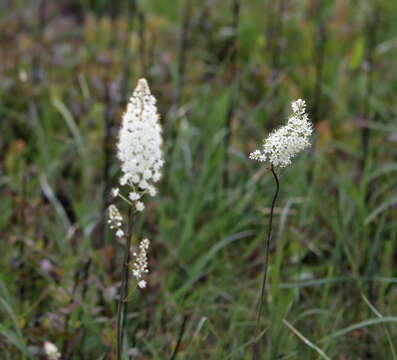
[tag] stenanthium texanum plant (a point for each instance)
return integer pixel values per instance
(139, 150)
(277, 150)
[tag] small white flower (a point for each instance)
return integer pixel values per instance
(123, 180)
(139, 205)
(142, 284)
(51, 351)
(119, 233)
(134, 196)
(115, 192)
(284, 143)
(152, 190)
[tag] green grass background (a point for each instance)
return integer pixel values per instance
(222, 82)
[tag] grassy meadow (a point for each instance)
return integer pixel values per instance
(224, 73)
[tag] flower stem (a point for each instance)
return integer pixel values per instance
(266, 265)
(122, 305)
(179, 341)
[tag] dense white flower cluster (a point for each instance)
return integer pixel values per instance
(115, 220)
(139, 146)
(284, 143)
(51, 351)
(140, 265)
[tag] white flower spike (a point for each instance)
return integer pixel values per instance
(139, 146)
(115, 220)
(284, 143)
(140, 265)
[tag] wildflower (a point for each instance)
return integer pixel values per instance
(284, 143)
(51, 351)
(142, 284)
(134, 196)
(140, 265)
(115, 192)
(119, 233)
(139, 206)
(152, 190)
(115, 220)
(299, 107)
(139, 146)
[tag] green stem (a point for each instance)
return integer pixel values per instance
(266, 265)
(122, 305)
(178, 343)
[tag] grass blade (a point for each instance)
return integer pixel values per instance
(306, 340)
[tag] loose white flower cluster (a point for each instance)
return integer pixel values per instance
(115, 220)
(140, 265)
(284, 143)
(51, 351)
(139, 146)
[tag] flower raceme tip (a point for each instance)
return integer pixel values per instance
(140, 264)
(285, 142)
(139, 145)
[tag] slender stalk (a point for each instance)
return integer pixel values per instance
(119, 312)
(126, 276)
(121, 308)
(266, 265)
(178, 343)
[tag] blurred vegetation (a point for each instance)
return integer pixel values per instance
(224, 73)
